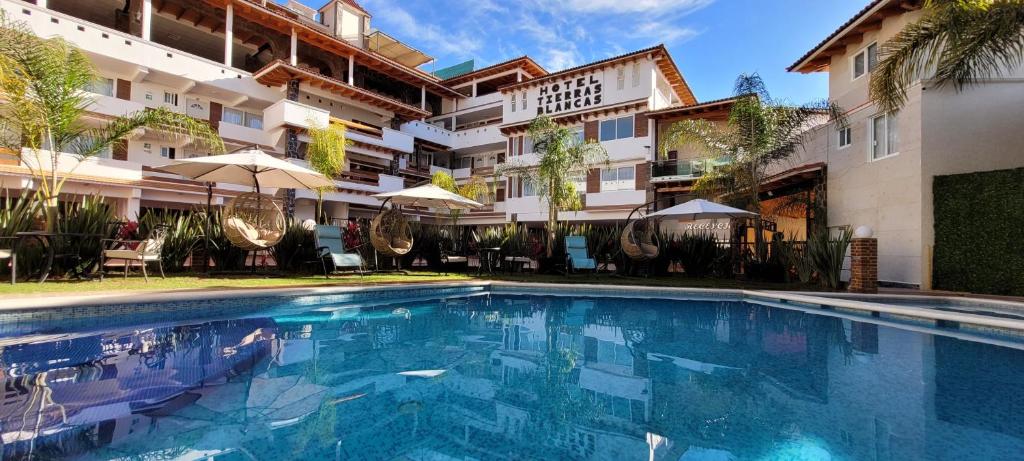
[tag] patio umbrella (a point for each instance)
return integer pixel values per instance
(429, 195)
(248, 167)
(702, 209)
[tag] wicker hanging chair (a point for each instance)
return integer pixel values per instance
(253, 222)
(639, 240)
(390, 233)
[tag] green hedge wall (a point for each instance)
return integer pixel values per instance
(979, 232)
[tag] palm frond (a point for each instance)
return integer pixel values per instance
(957, 42)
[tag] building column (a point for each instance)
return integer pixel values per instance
(863, 262)
(423, 97)
(229, 35)
(147, 19)
(294, 58)
(291, 147)
(352, 70)
(41, 3)
(519, 76)
(474, 88)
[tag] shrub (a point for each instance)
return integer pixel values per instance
(827, 253)
(699, 253)
(296, 248)
(184, 233)
(91, 216)
(225, 256)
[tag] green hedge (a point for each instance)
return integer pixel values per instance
(979, 232)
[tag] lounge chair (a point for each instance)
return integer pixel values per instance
(136, 251)
(576, 254)
(330, 246)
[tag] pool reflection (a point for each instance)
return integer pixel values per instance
(515, 377)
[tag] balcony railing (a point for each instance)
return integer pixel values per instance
(682, 169)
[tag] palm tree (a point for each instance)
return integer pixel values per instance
(474, 189)
(759, 134)
(563, 157)
(957, 41)
(43, 83)
(326, 154)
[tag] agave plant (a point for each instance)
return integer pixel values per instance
(225, 255)
(296, 248)
(699, 253)
(184, 233)
(827, 253)
(91, 216)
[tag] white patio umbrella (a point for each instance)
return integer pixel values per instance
(429, 195)
(702, 209)
(250, 167)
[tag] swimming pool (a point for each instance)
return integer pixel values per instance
(478, 373)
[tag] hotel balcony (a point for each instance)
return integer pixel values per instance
(97, 169)
(680, 170)
(286, 113)
(113, 107)
(459, 140)
(130, 54)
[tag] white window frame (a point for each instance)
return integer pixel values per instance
(513, 101)
(523, 100)
(863, 53)
(620, 81)
(891, 121)
(636, 74)
(618, 183)
(848, 132)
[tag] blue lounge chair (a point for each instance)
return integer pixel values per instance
(576, 254)
(331, 247)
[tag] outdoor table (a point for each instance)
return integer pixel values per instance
(48, 241)
(488, 256)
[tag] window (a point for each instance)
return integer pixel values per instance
(616, 128)
(621, 78)
(578, 132)
(167, 152)
(884, 136)
(636, 74)
(844, 137)
(865, 60)
(621, 178)
(527, 145)
(513, 102)
(528, 189)
(170, 98)
(102, 85)
(242, 118)
(524, 100)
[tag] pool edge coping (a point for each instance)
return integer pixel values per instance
(862, 302)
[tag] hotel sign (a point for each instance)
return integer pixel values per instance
(569, 94)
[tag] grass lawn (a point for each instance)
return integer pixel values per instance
(190, 282)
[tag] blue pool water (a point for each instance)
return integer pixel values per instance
(503, 376)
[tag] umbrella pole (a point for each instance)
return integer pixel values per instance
(206, 227)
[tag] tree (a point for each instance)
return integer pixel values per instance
(43, 83)
(562, 158)
(474, 189)
(759, 134)
(956, 42)
(326, 154)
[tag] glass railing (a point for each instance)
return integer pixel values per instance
(693, 168)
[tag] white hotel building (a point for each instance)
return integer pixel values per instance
(261, 72)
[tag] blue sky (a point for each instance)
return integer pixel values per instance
(712, 41)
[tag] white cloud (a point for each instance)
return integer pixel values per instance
(558, 59)
(662, 32)
(437, 41)
(636, 6)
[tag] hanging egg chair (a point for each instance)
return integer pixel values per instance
(639, 240)
(390, 233)
(253, 222)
